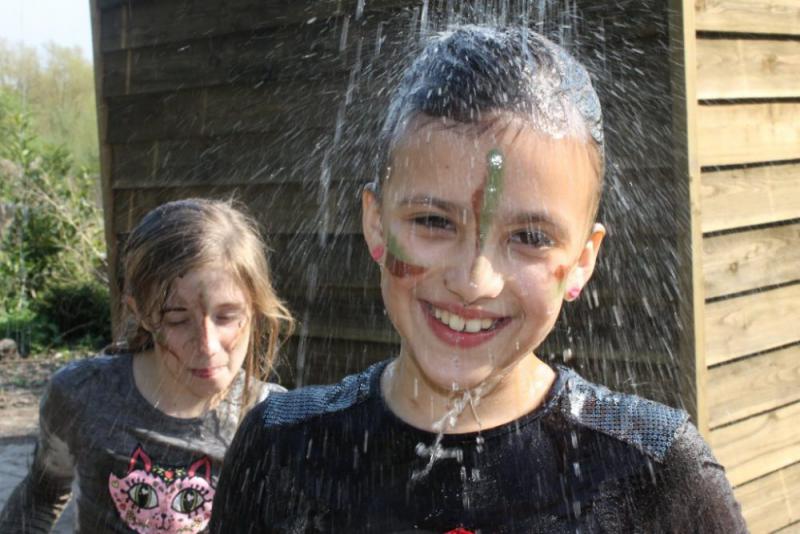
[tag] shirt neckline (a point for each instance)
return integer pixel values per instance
(552, 398)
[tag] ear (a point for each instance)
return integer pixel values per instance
(140, 460)
(371, 223)
(204, 465)
(584, 269)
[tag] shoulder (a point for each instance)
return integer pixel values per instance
(648, 426)
(75, 377)
(301, 405)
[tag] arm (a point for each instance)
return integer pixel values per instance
(39, 499)
(701, 496)
(239, 501)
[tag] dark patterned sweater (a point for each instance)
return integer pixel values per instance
(135, 468)
(335, 459)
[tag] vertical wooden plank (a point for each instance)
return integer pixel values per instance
(105, 169)
(687, 166)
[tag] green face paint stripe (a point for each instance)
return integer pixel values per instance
(491, 193)
(395, 248)
(397, 262)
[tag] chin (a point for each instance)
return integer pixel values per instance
(457, 372)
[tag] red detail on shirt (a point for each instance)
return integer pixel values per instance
(459, 530)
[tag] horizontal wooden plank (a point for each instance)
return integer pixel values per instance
(753, 385)
(748, 16)
(280, 208)
(753, 323)
(151, 22)
(750, 196)
(770, 503)
(759, 445)
(747, 260)
(236, 160)
(794, 528)
(310, 52)
(288, 109)
(748, 133)
(747, 68)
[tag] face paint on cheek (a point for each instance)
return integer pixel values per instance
(487, 197)
(560, 275)
(397, 262)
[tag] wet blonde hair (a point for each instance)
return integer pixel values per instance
(179, 236)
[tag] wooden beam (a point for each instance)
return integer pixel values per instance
(748, 133)
(770, 502)
(749, 16)
(759, 445)
(750, 196)
(742, 261)
(743, 388)
(739, 68)
(752, 323)
(688, 243)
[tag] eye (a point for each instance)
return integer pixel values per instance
(433, 222)
(143, 495)
(175, 319)
(187, 501)
(532, 237)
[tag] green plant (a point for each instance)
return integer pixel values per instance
(79, 311)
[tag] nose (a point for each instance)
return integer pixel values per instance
(208, 337)
(475, 279)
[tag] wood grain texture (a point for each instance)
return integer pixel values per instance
(749, 386)
(746, 68)
(758, 445)
(739, 262)
(753, 323)
(748, 16)
(281, 208)
(750, 196)
(770, 503)
(748, 133)
(151, 22)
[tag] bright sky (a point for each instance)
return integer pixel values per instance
(35, 22)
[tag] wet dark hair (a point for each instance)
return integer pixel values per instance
(472, 74)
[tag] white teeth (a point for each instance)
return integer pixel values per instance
(456, 322)
(460, 324)
(473, 325)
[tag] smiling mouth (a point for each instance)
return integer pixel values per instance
(458, 323)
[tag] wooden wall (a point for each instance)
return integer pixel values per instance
(748, 153)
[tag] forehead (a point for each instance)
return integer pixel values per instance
(442, 159)
(207, 284)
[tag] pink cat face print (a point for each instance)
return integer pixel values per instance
(152, 498)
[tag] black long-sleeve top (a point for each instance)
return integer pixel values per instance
(335, 459)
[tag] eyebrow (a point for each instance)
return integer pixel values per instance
(427, 200)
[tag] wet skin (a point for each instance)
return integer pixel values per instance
(505, 267)
(201, 341)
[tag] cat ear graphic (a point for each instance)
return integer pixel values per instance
(139, 457)
(202, 464)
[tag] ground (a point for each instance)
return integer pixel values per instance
(22, 382)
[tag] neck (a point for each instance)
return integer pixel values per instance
(505, 395)
(163, 391)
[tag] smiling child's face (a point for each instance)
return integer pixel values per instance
(481, 236)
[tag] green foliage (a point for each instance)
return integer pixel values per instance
(52, 252)
(79, 311)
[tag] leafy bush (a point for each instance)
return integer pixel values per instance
(80, 313)
(52, 252)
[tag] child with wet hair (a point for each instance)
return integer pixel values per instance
(143, 432)
(482, 222)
